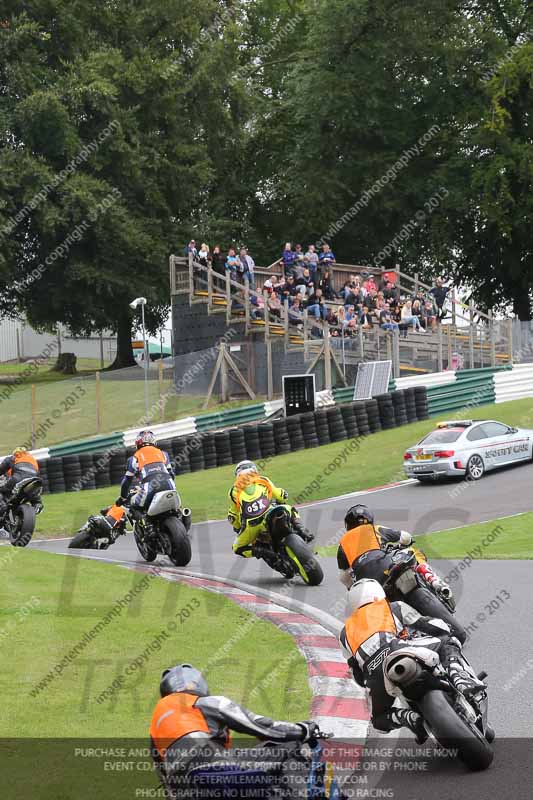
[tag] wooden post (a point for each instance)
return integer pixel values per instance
(247, 307)
(471, 333)
(224, 375)
(270, 380)
(306, 335)
(388, 342)
(454, 320)
(191, 279)
(209, 289)
(416, 283)
(510, 339)
(228, 298)
(361, 341)
(98, 403)
(172, 275)
(492, 340)
(439, 351)
(102, 362)
(33, 415)
(161, 404)
(327, 356)
(286, 321)
(450, 349)
(267, 315)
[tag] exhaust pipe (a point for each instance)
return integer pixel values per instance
(186, 518)
(403, 671)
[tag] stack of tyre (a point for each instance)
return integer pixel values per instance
(322, 427)
(410, 404)
(400, 411)
(102, 474)
(295, 432)
(361, 417)
(372, 412)
(266, 440)
(337, 430)
(281, 436)
(180, 456)
(238, 445)
(118, 461)
(72, 472)
(209, 449)
(196, 453)
(309, 430)
(251, 439)
(56, 476)
(43, 473)
(421, 402)
(386, 411)
(223, 448)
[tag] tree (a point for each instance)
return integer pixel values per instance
(132, 83)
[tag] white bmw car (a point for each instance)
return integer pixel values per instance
(469, 448)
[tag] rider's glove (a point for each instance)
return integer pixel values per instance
(120, 501)
(310, 730)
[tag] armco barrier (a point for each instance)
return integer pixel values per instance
(95, 445)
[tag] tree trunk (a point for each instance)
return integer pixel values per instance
(522, 305)
(124, 357)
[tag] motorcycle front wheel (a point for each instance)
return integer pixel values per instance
(180, 543)
(429, 605)
(303, 559)
(20, 534)
(452, 732)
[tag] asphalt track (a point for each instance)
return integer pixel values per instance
(500, 638)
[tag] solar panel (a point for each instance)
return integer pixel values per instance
(372, 379)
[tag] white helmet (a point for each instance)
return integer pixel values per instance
(363, 592)
(245, 466)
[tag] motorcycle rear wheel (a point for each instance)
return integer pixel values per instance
(180, 543)
(25, 526)
(452, 732)
(147, 551)
(303, 559)
(429, 605)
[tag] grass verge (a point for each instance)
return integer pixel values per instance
(505, 538)
(308, 475)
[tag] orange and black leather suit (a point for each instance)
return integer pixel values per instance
(187, 729)
(17, 467)
(358, 541)
(372, 632)
(153, 469)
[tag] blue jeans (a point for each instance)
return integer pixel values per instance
(389, 326)
(317, 310)
(414, 321)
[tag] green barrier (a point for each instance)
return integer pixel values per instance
(96, 445)
(463, 374)
(235, 416)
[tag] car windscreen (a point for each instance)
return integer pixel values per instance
(442, 436)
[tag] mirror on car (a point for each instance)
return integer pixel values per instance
(513, 430)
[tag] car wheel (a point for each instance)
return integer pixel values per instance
(475, 469)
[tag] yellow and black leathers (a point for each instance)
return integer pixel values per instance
(250, 497)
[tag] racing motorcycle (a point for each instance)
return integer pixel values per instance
(163, 528)
(458, 722)
(226, 780)
(22, 508)
(281, 547)
(98, 533)
(395, 570)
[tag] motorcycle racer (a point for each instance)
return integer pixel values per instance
(151, 467)
(19, 465)
(374, 628)
(191, 727)
(248, 488)
(363, 535)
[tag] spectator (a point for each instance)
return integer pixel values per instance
(430, 315)
(325, 284)
(370, 284)
(390, 292)
(386, 322)
(274, 305)
(409, 319)
(257, 306)
(288, 258)
(190, 248)
(304, 284)
(439, 293)
(326, 257)
(232, 263)
(365, 319)
(311, 261)
(316, 305)
(350, 319)
(246, 267)
(295, 312)
(218, 260)
(204, 256)
(289, 289)
(299, 260)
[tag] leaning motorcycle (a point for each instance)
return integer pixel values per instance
(458, 722)
(227, 780)
(22, 508)
(96, 534)
(395, 570)
(283, 549)
(163, 528)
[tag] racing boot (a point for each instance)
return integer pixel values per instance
(302, 531)
(404, 718)
(461, 675)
